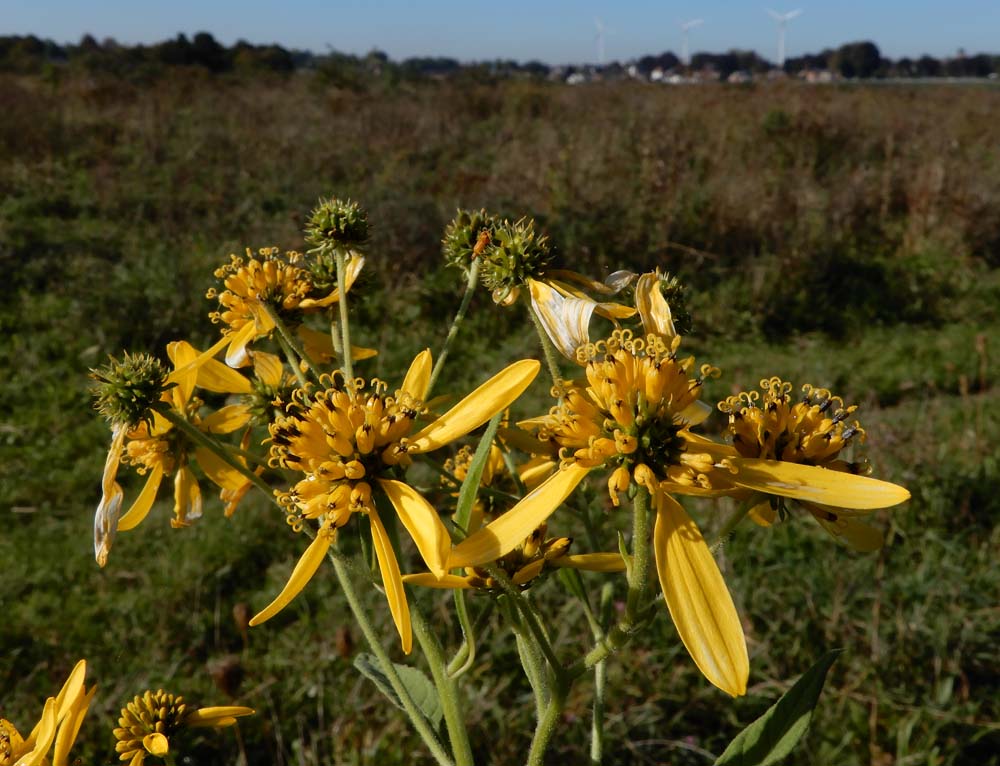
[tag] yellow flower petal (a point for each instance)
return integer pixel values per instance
(223, 715)
(301, 574)
(142, 505)
(215, 376)
(418, 377)
(106, 523)
(236, 354)
(817, 485)
(593, 562)
(509, 530)
(156, 744)
(71, 689)
(421, 521)
(70, 727)
(187, 498)
(486, 401)
(698, 599)
(566, 320)
(42, 736)
(182, 355)
(268, 367)
(351, 271)
(392, 581)
(428, 580)
(528, 572)
(856, 533)
(695, 413)
(227, 419)
(219, 471)
(653, 307)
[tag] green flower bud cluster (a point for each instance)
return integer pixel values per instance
(334, 225)
(467, 236)
(127, 390)
(515, 253)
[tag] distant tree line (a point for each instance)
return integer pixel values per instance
(33, 55)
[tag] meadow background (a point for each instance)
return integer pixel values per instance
(847, 236)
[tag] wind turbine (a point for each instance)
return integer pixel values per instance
(685, 27)
(782, 19)
(599, 37)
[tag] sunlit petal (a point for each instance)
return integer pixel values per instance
(227, 419)
(223, 715)
(392, 581)
(218, 470)
(216, 376)
(421, 521)
(236, 354)
(653, 307)
(418, 377)
(70, 727)
(695, 413)
(301, 574)
(144, 502)
(566, 320)
(187, 498)
(268, 367)
(157, 744)
(593, 562)
(490, 398)
(698, 599)
(509, 530)
(42, 736)
(430, 580)
(817, 485)
(182, 355)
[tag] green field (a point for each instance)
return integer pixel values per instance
(845, 237)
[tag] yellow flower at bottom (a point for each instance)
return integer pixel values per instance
(149, 721)
(58, 726)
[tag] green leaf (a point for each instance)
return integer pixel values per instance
(772, 736)
(417, 684)
(470, 487)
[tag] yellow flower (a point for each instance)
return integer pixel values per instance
(633, 415)
(158, 449)
(784, 446)
(350, 442)
(58, 726)
(269, 281)
(149, 721)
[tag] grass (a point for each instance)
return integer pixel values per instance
(843, 237)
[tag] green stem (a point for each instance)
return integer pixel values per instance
(201, 439)
(291, 340)
(446, 687)
(597, 719)
(416, 717)
(463, 308)
(736, 517)
(548, 350)
(638, 571)
(532, 660)
(293, 362)
(534, 625)
(600, 682)
(345, 330)
(546, 728)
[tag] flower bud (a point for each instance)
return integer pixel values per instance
(126, 390)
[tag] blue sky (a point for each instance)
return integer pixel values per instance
(553, 31)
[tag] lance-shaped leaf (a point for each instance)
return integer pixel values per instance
(772, 736)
